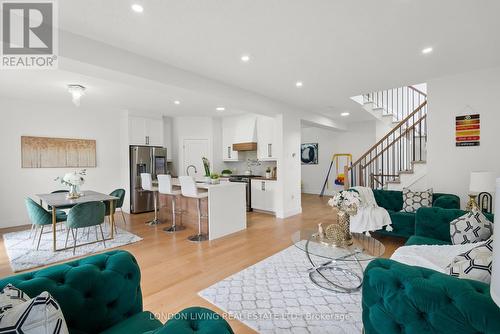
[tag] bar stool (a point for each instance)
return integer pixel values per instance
(147, 184)
(165, 188)
(189, 189)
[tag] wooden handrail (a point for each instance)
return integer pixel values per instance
(395, 141)
(417, 90)
(390, 133)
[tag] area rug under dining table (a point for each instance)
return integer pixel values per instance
(23, 255)
(277, 296)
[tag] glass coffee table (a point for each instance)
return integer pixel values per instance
(337, 268)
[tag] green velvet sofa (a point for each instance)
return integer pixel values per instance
(102, 294)
(398, 298)
(403, 223)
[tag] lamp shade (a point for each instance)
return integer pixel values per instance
(482, 181)
(495, 274)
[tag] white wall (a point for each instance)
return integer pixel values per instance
(359, 138)
(449, 166)
(37, 119)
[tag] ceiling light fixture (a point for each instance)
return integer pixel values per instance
(220, 108)
(245, 58)
(76, 91)
(177, 102)
(299, 84)
(427, 50)
(344, 114)
(137, 8)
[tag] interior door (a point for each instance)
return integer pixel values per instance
(194, 150)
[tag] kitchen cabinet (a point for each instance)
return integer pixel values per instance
(228, 135)
(145, 131)
(266, 138)
(263, 194)
(167, 130)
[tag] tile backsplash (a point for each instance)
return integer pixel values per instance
(239, 167)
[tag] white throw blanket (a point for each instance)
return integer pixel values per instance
(370, 217)
(436, 257)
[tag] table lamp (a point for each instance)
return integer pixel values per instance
(481, 183)
(495, 273)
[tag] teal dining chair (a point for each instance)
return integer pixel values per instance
(120, 193)
(85, 215)
(40, 217)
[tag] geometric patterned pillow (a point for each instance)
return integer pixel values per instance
(469, 228)
(41, 314)
(11, 296)
(413, 200)
(474, 264)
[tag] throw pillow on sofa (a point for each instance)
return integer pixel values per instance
(471, 227)
(20, 314)
(414, 200)
(474, 264)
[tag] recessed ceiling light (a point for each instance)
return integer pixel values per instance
(137, 8)
(177, 102)
(427, 50)
(245, 58)
(299, 84)
(344, 114)
(220, 108)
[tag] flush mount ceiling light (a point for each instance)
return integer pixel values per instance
(137, 8)
(345, 114)
(245, 58)
(76, 91)
(220, 108)
(177, 102)
(427, 50)
(299, 84)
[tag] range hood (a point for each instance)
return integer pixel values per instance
(249, 146)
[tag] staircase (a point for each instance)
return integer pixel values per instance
(398, 158)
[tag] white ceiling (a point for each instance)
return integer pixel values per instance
(337, 48)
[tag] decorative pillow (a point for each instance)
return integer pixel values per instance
(474, 264)
(471, 227)
(11, 296)
(413, 200)
(41, 314)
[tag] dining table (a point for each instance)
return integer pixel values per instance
(61, 200)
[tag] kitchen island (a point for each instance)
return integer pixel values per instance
(226, 208)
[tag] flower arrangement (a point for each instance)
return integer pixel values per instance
(345, 200)
(74, 180)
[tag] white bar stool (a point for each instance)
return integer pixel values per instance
(165, 188)
(189, 189)
(147, 184)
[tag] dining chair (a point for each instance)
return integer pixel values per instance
(85, 215)
(189, 189)
(40, 217)
(165, 187)
(120, 193)
(147, 185)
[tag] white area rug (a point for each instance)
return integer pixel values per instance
(23, 254)
(277, 296)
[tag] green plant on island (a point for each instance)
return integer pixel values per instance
(214, 176)
(206, 166)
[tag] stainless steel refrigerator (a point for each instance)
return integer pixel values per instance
(145, 159)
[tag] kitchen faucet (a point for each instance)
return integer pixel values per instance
(187, 169)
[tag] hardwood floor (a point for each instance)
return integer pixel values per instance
(174, 270)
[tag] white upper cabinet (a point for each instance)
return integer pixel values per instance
(266, 138)
(228, 134)
(146, 131)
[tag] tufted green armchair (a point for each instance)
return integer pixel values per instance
(398, 298)
(102, 294)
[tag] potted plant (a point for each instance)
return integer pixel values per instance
(268, 172)
(226, 172)
(214, 178)
(206, 166)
